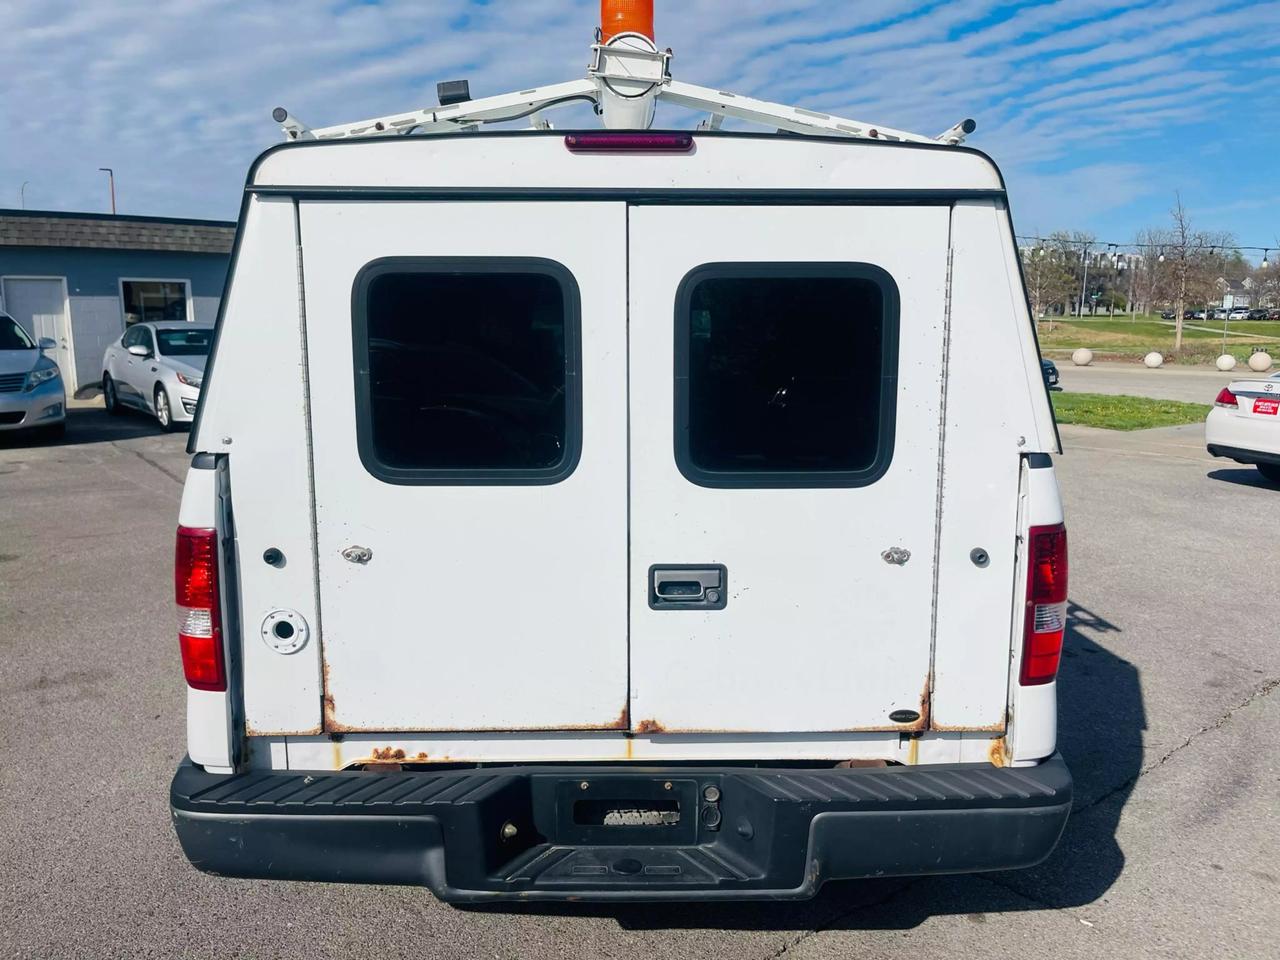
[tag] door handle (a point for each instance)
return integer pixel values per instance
(688, 586)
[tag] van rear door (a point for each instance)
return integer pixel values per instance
(782, 554)
(469, 444)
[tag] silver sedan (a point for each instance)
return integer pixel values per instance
(32, 396)
(158, 368)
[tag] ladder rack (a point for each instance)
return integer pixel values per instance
(627, 76)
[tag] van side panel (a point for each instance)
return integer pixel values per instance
(255, 412)
(989, 422)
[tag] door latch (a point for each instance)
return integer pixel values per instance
(355, 554)
(685, 586)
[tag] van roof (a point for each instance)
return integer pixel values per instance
(734, 164)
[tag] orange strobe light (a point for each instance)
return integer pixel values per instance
(625, 16)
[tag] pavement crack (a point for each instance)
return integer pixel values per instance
(147, 460)
(1262, 690)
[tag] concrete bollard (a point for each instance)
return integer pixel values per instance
(1260, 362)
(1153, 360)
(1082, 357)
(1226, 362)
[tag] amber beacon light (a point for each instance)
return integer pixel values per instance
(625, 16)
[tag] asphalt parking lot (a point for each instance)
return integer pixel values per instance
(1169, 720)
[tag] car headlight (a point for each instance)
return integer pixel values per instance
(41, 375)
(189, 381)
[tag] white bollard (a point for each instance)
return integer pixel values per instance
(1260, 362)
(1082, 357)
(1226, 362)
(1153, 360)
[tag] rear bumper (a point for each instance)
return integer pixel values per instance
(1243, 455)
(527, 832)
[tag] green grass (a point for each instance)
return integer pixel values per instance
(1124, 338)
(1123, 412)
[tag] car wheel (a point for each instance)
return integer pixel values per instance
(1270, 470)
(109, 395)
(163, 413)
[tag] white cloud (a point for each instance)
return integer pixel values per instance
(176, 94)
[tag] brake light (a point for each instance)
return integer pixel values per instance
(195, 580)
(1225, 398)
(629, 142)
(1046, 620)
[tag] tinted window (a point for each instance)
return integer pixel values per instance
(12, 336)
(185, 343)
(466, 370)
(786, 374)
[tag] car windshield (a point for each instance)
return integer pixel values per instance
(185, 343)
(12, 336)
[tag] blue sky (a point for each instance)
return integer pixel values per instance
(1096, 111)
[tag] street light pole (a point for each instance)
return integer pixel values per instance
(1084, 256)
(22, 195)
(111, 178)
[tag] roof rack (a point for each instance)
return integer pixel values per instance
(626, 78)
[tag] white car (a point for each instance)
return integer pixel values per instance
(32, 397)
(157, 367)
(1238, 313)
(1244, 424)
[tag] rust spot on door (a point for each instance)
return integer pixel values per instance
(996, 754)
(624, 718)
(650, 726)
(926, 701)
(387, 753)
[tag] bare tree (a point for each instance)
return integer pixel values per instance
(1048, 280)
(1187, 261)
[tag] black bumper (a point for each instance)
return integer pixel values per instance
(1241, 455)
(534, 832)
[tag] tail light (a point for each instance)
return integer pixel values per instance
(1225, 398)
(1046, 604)
(625, 16)
(629, 142)
(195, 581)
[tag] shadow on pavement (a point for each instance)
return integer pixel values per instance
(90, 426)
(1100, 733)
(1243, 476)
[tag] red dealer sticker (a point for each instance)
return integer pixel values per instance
(1269, 407)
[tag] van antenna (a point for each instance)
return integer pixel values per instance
(627, 76)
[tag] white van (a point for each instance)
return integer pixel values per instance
(626, 515)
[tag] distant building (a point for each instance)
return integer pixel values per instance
(82, 278)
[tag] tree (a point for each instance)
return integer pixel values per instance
(1188, 265)
(1048, 280)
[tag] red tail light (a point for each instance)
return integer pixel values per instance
(629, 142)
(1225, 398)
(1046, 604)
(195, 581)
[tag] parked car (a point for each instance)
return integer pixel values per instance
(1244, 424)
(1196, 315)
(1238, 313)
(1168, 315)
(32, 396)
(1259, 313)
(1050, 371)
(640, 575)
(158, 368)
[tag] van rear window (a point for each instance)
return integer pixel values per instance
(467, 370)
(785, 374)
